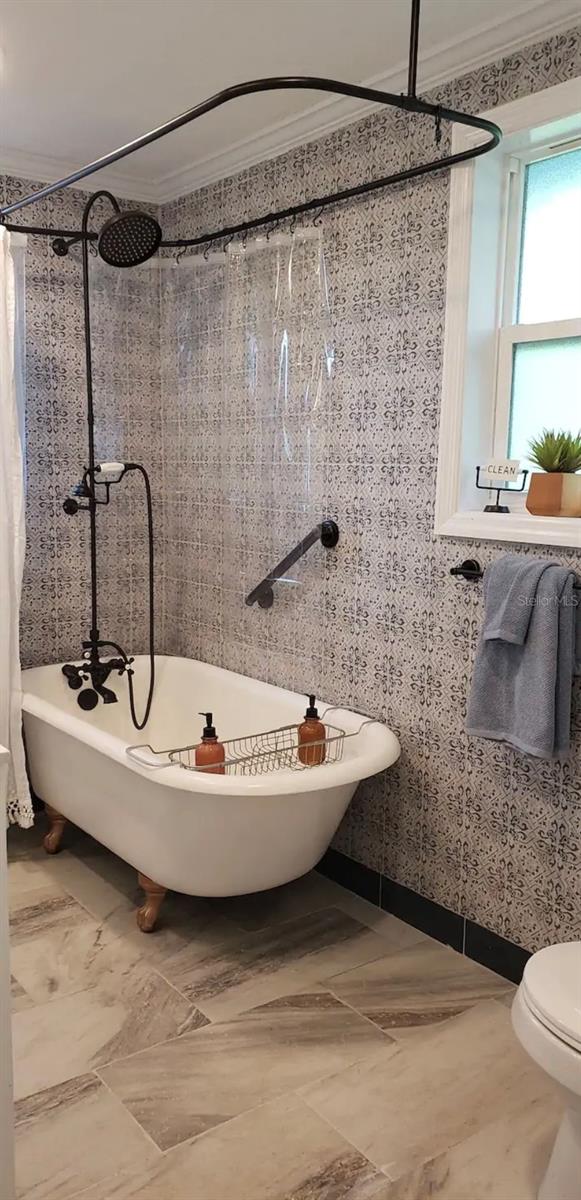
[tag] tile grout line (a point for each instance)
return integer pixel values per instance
(379, 1170)
(126, 1110)
(339, 1132)
(292, 1091)
(389, 1039)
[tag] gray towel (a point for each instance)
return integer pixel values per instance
(526, 657)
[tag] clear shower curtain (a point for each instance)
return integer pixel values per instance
(12, 532)
(247, 360)
(278, 355)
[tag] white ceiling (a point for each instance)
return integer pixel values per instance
(80, 77)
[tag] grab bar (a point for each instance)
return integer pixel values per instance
(327, 532)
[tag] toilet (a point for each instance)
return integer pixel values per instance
(546, 1016)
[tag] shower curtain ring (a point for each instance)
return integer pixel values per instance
(206, 251)
(227, 243)
(317, 219)
(180, 255)
(93, 249)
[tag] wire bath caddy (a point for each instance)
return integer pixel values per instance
(255, 754)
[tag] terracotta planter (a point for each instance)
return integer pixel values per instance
(552, 494)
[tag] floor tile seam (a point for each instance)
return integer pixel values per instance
(156, 970)
(239, 1116)
(307, 978)
(368, 1057)
(61, 894)
(100, 920)
(111, 939)
(388, 952)
(277, 1096)
(21, 940)
(63, 995)
(389, 1038)
(323, 907)
(120, 1104)
(301, 966)
(46, 1003)
(383, 1168)
(340, 1133)
(51, 929)
(366, 962)
(177, 1037)
(454, 1144)
(49, 885)
(291, 920)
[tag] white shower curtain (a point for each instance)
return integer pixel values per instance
(12, 533)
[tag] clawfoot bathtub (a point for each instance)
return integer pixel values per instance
(204, 835)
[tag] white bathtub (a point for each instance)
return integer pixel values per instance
(205, 835)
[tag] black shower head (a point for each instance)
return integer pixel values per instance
(129, 238)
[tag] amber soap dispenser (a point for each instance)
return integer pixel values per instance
(312, 731)
(210, 752)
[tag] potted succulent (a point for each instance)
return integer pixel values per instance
(557, 491)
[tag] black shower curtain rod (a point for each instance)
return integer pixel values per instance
(409, 102)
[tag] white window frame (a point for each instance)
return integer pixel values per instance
(514, 335)
(483, 245)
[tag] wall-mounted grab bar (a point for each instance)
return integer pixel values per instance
(326, 532)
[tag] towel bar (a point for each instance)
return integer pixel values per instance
(471, 570)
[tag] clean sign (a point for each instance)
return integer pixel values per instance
(501, 470)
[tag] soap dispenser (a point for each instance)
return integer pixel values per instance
(312, 730)
(210, 752)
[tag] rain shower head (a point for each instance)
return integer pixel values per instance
(129, 238)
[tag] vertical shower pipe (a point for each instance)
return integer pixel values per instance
(414, 43)
(94, 634)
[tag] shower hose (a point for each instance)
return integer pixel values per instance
(151, 594)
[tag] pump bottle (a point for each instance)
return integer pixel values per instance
(311, 730)
(210, 752)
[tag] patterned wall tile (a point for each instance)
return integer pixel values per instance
(379, 624)
(466, 822)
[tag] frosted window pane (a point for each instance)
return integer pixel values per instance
(550, 282)
(546, 392)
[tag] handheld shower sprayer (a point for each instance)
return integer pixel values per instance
(94, 668)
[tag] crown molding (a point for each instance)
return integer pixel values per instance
(440, 64)
(485, 44)
(42, 169)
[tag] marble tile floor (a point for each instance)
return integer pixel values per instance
(296, 1045)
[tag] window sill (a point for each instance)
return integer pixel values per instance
(513, 527)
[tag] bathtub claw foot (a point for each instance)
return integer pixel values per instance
(148, 913)
(52, 840)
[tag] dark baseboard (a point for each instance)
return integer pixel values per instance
(424, 914)
(352, 875)
(464, 935)
(495, 952)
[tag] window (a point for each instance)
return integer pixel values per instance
(539, 353)
(512, 353)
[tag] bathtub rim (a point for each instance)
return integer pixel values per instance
(380, 746)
